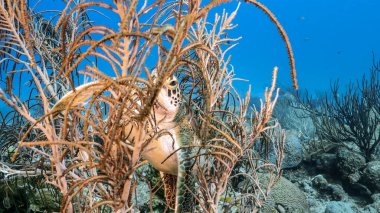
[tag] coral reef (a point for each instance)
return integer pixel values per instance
(91, 146)
(339, 172)
(284, 197)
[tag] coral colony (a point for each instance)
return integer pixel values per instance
(140, 114)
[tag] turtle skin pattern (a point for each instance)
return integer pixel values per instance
(185, 180)
(170, 185)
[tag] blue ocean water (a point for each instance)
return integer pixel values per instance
(331, 40)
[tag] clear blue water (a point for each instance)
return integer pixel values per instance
(331, 40)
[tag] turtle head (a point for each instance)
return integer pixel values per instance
(168, 99)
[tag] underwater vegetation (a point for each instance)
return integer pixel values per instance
(351, 117)
(332, 148)
(137, 114)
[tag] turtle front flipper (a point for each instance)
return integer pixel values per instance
(185, 201)
(79, 95)
(170, 185)
(185, 183)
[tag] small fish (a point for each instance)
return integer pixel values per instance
(302, 18)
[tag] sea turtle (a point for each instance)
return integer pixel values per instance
(163, 153)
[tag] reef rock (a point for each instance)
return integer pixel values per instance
(294, 118)
(361, 190)
(319, 182)
(375, 206)
(326, 162)
(293, 151)
(371, 176)
(349, 163)
(339, 207)
(333, 191)
(336, 192)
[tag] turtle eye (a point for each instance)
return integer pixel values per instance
(173, 83)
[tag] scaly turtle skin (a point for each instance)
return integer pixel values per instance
(185, 180)
(176, 174)
(179, 164)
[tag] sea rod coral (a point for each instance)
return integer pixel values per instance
(92, 145)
